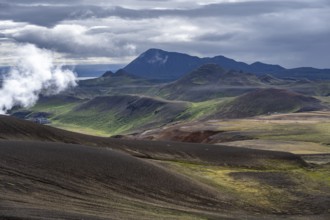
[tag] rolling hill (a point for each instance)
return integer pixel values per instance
(17, 129)
(210, 81)
(120, 82)
(267, 101)
(120, 114)
(110, 79)
(124, 114)
(43, 177)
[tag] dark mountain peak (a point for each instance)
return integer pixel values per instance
(153, 51)
(213, 74)
(220, 58)
(227, 63)
(163, 65)
(108, 74)
(262, 67)
(160, 64)
(155, 56)
(258, 63)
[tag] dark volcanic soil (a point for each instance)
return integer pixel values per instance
(42, 178)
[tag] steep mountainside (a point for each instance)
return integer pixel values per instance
(159, 64)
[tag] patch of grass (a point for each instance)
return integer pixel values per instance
(284, 130)
(296, 147)
(318, 133)
(319, 175)
(275, 190)
(324, 99)
(246, 193)
(101, 123)
(110, 115)
(56, 110)
(201, 110)
(80, 129)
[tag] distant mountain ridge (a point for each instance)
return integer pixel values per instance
(160, 64)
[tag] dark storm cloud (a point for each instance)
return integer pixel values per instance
(49, 15)
(215, 37)
(292, 33)
(52, 2)
(39, 14)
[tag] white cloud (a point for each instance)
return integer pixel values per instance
(33, 74)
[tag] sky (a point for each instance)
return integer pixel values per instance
(291, 33)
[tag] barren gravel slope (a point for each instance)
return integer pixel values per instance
(61, 180)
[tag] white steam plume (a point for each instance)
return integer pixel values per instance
(33, 74)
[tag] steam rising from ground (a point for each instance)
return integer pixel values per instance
(34, 74)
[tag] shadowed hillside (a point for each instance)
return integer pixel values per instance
(210, 81)
(72, 181)
(267, 101)
(120, 82)
(122, 113)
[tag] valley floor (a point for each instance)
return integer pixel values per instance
(305, 133)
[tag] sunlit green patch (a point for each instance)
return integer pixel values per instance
(249, 191)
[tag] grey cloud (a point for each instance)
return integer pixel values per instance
(238, 9)
(215, 37)
(40, 15)
(74, 40)
(291, 33)
(52, 14)
(52, 2)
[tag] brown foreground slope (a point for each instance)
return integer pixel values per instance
(71, 181)
(43, 178)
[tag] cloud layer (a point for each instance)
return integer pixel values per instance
(291, 33)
